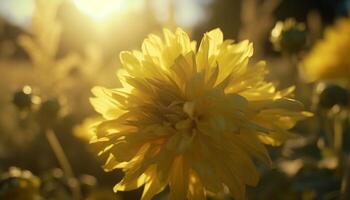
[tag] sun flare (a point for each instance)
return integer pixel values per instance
(101, 9)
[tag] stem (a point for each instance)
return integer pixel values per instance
(63, 161)
(171, 9)
(338, 135)
(345, 184)
(329, 132)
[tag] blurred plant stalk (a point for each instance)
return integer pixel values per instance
(47, 114)
(42, 47)
(345, 184)
(339, 124)
(333, 102)
(256, 22)
(64, 162)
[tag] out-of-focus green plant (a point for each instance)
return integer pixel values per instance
(42, 46)
(46, 116)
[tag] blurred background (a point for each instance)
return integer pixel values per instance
(52, 52)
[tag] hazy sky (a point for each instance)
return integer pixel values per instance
(17, 11)
(188, 12)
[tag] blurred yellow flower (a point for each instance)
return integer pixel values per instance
(193, 119)
(85, 130)
(329, 59)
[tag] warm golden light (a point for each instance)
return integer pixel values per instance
(101, 9)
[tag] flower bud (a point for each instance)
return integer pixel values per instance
(22, 99)
(48, 112)
(288, 36)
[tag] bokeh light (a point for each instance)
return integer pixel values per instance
(101, 9)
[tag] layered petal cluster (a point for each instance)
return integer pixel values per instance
(329, 59)
(194, 119)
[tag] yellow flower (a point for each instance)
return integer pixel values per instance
(193, 119)
(329, 59)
